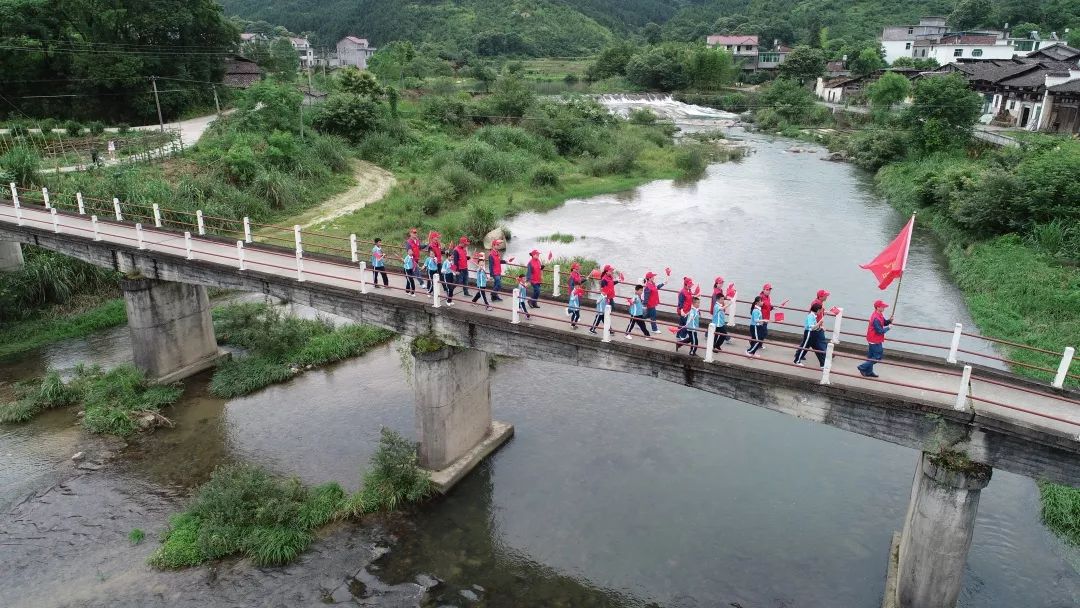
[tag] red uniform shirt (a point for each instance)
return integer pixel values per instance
(607, 287)
(496, 263)
(652, 295)
(873, 336)
(536, 271)
(766, 307)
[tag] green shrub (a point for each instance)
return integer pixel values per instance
(620, 160)
(692, 159)
(123, 128)
(73, 128)
(21, 164)
(642, 116)
(480, 220)
(378, 148)
(510, 139)
(875, 148)
(95, 127)
(277, 188)
(241, 165)
(18, 129)
(48, 278)
(394, 477)
(1061, 510)
(445, 110)
(545, 176)
(113, 400)
(461, 180)
(333, 151)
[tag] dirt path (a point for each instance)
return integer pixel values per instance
(372, 183)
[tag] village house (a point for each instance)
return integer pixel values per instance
(241, 72)
(304, 49)
(747, 52)
(844, 89)
(931, 39)
(353, 51)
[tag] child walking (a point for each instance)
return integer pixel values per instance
(481, 280)
(637, 313)
(448, 279)
(719, 319)
(757, 321)
(573, 307)
(810, 325)
(408, 263)
(601, 308)
(432, 266)
(378, 265)
(523, 295)
(690, 326)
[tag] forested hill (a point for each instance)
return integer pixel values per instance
(576, 27)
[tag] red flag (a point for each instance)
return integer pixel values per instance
(622, 277)
(731, 291)
(697, 289)
(890, 263)
(549, 256)
(835, 310)
(667, 271)
(778, 317)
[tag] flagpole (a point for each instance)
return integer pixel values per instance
(903, 268)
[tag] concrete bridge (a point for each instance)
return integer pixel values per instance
(965, 420)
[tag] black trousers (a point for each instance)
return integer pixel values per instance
(640, 323)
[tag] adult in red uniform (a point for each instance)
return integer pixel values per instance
(460, 264)
(875, 339)
(534, 272)
(495, 269)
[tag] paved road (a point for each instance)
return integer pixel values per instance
(934, 385)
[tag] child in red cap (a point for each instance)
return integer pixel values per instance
(573, 307)
(575, 278)
(652, 297)
(766, 315)
(535, 271)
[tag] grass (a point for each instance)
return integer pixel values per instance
(1061, 510)
(426, 343)
(58, 324)
(136, 536)
(557, 237)
(277, 344)
(112, 401)
(245, 510)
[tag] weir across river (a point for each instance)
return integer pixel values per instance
(993, 418)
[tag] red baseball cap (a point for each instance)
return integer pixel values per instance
(412, 230)
(822, 293)
(649, 275)
(687, 280)
(608, 268)
(496, 242)
(575, 266)
(464, 240)
(880, 304)
(534, 252)
(718, 280)
(767, 287)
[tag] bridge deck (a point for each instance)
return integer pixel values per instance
(933, 384)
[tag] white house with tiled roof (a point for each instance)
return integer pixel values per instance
(354, 51)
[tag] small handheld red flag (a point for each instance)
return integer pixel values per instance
(834, 310)
(697, 289)
(731, 291)
(673, 330)
(549, 256)
(595, 274)
(779, 317)
(667, 271)
(890, 263)
(784, 303)
(510, 261)
(622, 277)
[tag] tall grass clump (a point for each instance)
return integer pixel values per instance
(35, 396)
(1061, 510)
(393, 479)
(277, 344)
(20, 165)
(244, 510)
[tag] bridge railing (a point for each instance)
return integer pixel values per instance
(952, 344)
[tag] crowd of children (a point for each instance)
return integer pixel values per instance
(453, 271)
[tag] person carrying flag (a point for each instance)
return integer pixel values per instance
(875, 339)
(495, 269)
(535, 271)
(575, 278)
(717, 291)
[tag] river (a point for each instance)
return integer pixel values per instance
(616, 490)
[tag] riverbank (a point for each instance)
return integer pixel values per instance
(58, 323)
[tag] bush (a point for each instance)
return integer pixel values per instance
(333, 151)
(114, 400)
(48, 278)
(123, 128)
(511, 139)
(876, 148)
(240, 165)
(349, 116)
(73, 128)
(642, 116)
(622, 159)
(34, 396)
(480, 220)
(692, 159)
(378, 148)
(95, 127)
(445, 110)
(545, 176)
(395, 477)
(21, 164)
(489, 163)
(461, 180)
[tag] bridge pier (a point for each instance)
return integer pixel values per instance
(11, 258)
(934, 544)
(172, 335)
(452, 388)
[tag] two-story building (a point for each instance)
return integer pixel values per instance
(898, 40)
(747, 51)
(353, 51)
(305, 50)
(932, 39)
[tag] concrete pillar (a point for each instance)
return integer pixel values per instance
(11, 258)
(172, 336)
(452, 388)
(937, 532)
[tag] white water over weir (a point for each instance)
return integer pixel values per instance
(665, 106)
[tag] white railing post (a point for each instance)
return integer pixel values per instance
(116, 209)
(607, 323)
(827, 368)
(45, 197)
(94, 223)
(200, 223)
(515, 318)
(731, 321)
(555, 290)
(296, 238)
(187, 245)
(436, 287)
(240, 254)
(710, 335)
(957, 331)
(139, 236)
(837, 322)
(962, 394)
(363, 278)
(55, 221)
(79, 202)
(1063, 367)
(14, 193)
(157, 216)
(247, 229)
(299, 266)
(352, 249)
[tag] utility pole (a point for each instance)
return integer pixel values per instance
(217, 105)
(301, 119)
(157, 102)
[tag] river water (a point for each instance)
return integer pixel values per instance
(616, 490)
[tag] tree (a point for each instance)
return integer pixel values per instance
(652, 32)
(971, 13)
(485, 74)
(942, 112)
(510, 96)
(890, 89)
(389, 62)
(610, 62)
(803, 63)
(710, 68)
(866, 62)
(1073, 39)
(1021, 30)
(657, 68)
(927, 64)
(269, 106)
(348, 115)
(285, 60)
(352, 80)
(776, 30)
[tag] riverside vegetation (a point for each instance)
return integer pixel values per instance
(245, 510)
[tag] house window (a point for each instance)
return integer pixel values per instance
(911, 30)
(976, 53)
(958, 53)
(907, 46)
